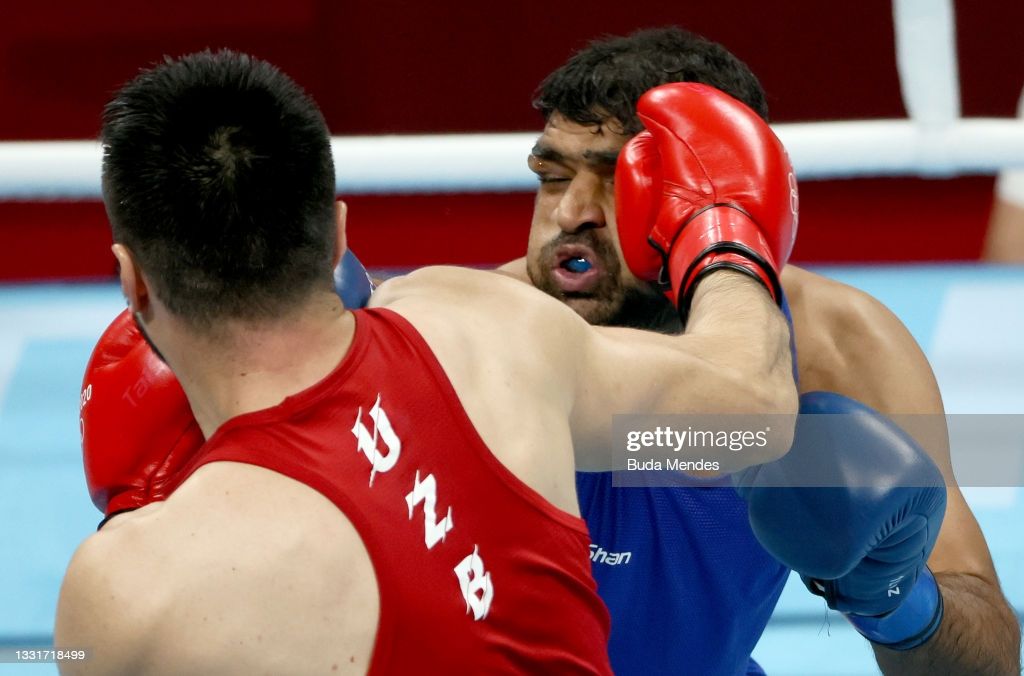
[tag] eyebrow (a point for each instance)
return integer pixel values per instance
(593, 158)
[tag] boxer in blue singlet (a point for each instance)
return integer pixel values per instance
(689, 586)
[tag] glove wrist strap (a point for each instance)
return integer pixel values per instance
(719, 236)
(912, 623)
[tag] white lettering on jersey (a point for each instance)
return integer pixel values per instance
(476, 585)
(599, 555)
(426, 492)
(367, 443)
(474, 580)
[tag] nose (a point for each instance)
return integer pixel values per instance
(582, 206)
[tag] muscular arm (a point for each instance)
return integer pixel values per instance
(729, 361)
(863, 351)
(734, 358)
(729, 352)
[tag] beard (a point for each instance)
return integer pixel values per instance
(646, 307)
(612, 301)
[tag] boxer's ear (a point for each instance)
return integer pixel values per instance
(133, 282)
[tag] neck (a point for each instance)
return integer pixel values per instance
(249, 366)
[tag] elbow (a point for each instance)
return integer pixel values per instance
(782, 405)
(767, 415)
(780, 397)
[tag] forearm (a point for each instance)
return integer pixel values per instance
(745, 338)
(740, 327)
(734, 360)
(979, 634)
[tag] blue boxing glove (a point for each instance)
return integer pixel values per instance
(855, 508)
(352, 282)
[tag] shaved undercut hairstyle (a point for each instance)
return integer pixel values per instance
(605, 80)
(217, 175)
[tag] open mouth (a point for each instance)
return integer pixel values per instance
(576, 269)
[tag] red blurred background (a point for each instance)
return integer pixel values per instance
(397, 67)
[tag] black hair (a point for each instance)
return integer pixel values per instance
(604, 81)
(217, 175)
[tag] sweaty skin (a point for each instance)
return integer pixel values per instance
(847, 342)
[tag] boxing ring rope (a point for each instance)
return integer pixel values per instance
(497, 162)
(935, 141)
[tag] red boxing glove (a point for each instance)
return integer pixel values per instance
(137, 426)
(707, 186)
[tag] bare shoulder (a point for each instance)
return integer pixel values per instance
(850, 342)
(448, 279)
(471, 317)
(515, 269)
(504, 346)
(841, 306)
(184, 586)
(102, 607)
(503, 299)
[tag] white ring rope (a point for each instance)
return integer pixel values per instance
(934, 141)
(497, 162)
